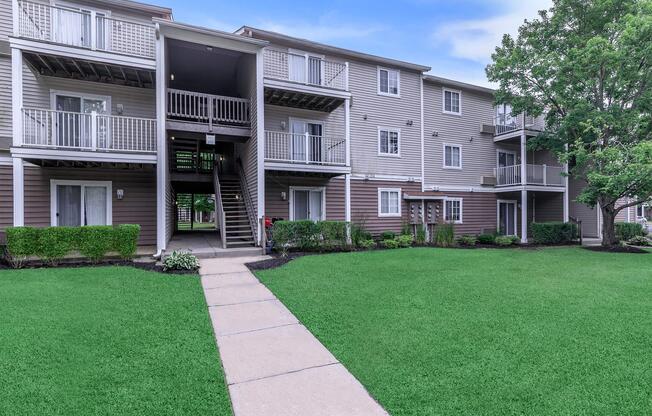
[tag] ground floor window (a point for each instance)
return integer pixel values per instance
(75, 203)
(307, 204)
(507, 217)
(389, 202)
(453, 210)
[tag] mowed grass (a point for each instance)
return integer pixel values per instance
(558, 331)
(107, 341)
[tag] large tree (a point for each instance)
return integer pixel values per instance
(587, 65)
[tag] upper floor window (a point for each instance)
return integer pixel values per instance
(389, 81)
(452, 101)
(389, 142)
(452, 156)
(389, 202)
(453, 210)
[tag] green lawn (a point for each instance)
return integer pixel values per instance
(559, 331)
(107, 341)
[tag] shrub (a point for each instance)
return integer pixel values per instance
(467, 240)
(125, 240)
(387, 235)
(95, 241)
(393, 243)
(306, 234)
(282, 236)
(366, 244)
(333, 233)
(180, 260)
(444, 235)
(406, 228)
(22, 242)
(405, 240)
(639, 240)
(56, 242)
(488, 239)
(359, 234)
(506, 240)
(627, 230)
(553, 232)
(421, 236)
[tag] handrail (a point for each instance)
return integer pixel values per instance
(304, 148)
(219, 207)
(207, 108)
(305, 69)
(249, 205)
(535, 175)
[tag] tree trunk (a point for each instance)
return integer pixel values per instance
(608, 220)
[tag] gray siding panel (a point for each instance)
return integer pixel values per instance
(6, 20)
(5, 102)
(6, 199)
(588, 215)
(333, 122)
(275, 207)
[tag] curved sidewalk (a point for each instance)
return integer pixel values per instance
(273, 365)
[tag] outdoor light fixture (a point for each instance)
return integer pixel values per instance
(172, 138)
(120, 193)
(283, 125)
(284, 196)
(120, 108)
(171, 77)
(409, 122)
(435, 134)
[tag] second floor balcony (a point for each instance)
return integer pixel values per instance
(306, 69)
(86, 29)
(542, 175)
(506, 123)
(305, 152)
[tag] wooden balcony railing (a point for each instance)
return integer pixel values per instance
(306, 69)
(304, 148)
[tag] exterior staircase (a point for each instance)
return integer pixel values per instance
(237, 225)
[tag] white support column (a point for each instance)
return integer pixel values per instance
(347, 129)
(523, 183)
(422, 131)
(566, 196)
(260, 136)
(15, 13)
(17, 95)
(161, 148)
(523, 156)
(347, 205)
(523, 216)
(19, 191)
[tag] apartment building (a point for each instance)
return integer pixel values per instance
(110, 110)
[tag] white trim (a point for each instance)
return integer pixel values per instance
(443, 101)
(347, 130)
(507, 201)
(455, 199)
(398, 82)
(260, 140)
(392, 214)
(17, 94)
(161, 155)
(454, 188)
(83, 185)
(377, 177)
(305, 88)
(321, 189)
(347, 198)
(18, 180)
(524, 203)
(86, 156)
(398, 148)
(421, 128)
(444, 146)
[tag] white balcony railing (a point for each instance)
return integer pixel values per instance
(305, 69)
(85, 29)
(66, 130)
(206, 108)
(304, 148)
(536, 175)
(505, 123)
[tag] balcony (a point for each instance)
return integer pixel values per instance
(53, 134)
(206, 113)
(506, 123)
(85, 29)
(536, 175)
(305, 152)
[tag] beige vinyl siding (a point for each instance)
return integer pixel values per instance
(5, 102)
(276, 207)
(137, 102)
(369, 111)
(138, 205)
(333, 122)
(478, 149)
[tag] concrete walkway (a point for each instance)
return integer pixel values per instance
(273, 365)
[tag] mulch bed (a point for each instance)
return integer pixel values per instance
(617, 249)
(152, 266)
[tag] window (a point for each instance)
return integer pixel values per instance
(452, 101)
(389, 82)
(389, 142)
(73, 125)
(307, 204)
(310, 149)
(75, 203)
(389, 202)
(453, 210)
(452, 156)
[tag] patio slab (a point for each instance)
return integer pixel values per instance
(230, 295)
(271, 352)
(252, 316)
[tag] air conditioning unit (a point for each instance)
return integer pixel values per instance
(488, 128)
(487, 180)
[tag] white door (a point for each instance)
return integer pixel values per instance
(71, 26)
(307, 149)
(507, 217)
(307, 205)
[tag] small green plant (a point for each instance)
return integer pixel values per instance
(125, 240)
(444, 235)
(627, 230)
(387, 235)
(95, 241)
(359, 234)
(420, 238)
(56, 242)
(393, 243)
(333, 234)
(282, 236)
(366, 244)
(467, 240)
(406, 228)
(405, 240)
(487, 239)
(639, 240)
(22, 243)
(181, 260)
(506, 240)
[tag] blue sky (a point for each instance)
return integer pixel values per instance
(454, 38)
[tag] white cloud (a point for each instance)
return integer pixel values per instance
(476, 39)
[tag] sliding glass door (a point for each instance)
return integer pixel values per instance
(507, 217)
(81, 204)
(307, 204)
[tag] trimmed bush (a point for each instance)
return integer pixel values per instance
(639, 240)
(306, 234)
(553, 232)
(391, 243)
(95, 241)
(488, 239)
(56, 242)
(466, 240)
(627, 230)
(405, 240)
(444, 235)
(366, 244)
(282, 236)
(181, 260)
(22, 242)
(387, 235)
(506, 240)
(125, 240)
(333, 233)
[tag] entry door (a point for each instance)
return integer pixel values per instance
(507, 217)
(313, 148)
(307, 205)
